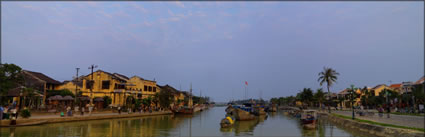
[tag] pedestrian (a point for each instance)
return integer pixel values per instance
(68, 111)
(1, 112)
(380, 111)
(82, 111)
(90, 109)
(119, 109)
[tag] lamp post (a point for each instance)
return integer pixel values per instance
(388, 104)
(352, 100)
(92, 83)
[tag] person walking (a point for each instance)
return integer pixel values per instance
(380, 111)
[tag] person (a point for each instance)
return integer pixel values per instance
(90, 109)
(1, 112)
(68, 111)
(380, 111)
(82, 111)
(119, 109)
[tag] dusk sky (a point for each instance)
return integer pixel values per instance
(277, 47)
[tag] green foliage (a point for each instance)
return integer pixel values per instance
(106, 101)
(306, 95)
(25, 113)
(165, 98)
(10, 77)
(418, 92)
(147, 101)
(319, 96)
(138, 102)
(63, 93)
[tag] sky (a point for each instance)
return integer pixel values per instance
(277, 47)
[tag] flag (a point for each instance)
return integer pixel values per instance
(246, 83)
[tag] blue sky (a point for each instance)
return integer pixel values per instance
(278, 47)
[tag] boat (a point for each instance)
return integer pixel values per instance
(309, 118)
(226, 122)
(240, 113)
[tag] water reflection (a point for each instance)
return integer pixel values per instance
(205, 123)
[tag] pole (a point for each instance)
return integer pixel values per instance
(76, 86)
(352, 101)
(388, 105)
(92, 83)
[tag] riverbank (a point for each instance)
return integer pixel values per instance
(372, 128)
(45, 119)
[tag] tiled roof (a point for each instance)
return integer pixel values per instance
(377, 86)
(41, 76)
(395, 85)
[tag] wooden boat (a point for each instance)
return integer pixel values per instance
(183, 110)
(309, 118)
(227, 122)
(240, 113)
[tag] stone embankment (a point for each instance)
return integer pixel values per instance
(45, 120)
(372, 129)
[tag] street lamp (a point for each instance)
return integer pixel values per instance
(352, 100)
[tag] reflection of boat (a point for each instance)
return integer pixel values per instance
(308, 119)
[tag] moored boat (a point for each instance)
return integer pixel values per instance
(308, 118)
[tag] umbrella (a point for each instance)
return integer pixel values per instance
(68, 98)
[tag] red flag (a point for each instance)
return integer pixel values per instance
(246, 83)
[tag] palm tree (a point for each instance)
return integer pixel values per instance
(329, 76)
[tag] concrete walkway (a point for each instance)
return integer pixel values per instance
(401, 120)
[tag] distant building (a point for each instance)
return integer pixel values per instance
(39, 82)
(101, 83)
(378, 89)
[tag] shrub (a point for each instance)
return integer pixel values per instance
(25, 113)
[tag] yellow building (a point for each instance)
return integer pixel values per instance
(101, 83)
(143, 87)
(378, 89)
(71, 86)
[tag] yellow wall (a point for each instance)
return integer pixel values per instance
(139, 84)
(379, 89)
(69, 86)
(98, 91)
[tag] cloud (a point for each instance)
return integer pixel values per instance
(179, 4)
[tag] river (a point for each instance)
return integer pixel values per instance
(204, 123)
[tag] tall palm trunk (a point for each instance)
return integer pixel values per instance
(329, 98)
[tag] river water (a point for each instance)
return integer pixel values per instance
(204, 123)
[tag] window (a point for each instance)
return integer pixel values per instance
(146, 88)
(150, 88)
(89, 84)
(105, 84)
(154, 89)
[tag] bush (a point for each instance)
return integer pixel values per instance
(25, 113)
(106, 101)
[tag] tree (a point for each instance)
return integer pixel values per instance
(306, 95)
(107, 101)
(319, 96)
(328, 76)
(165, 98)
(10, 77)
